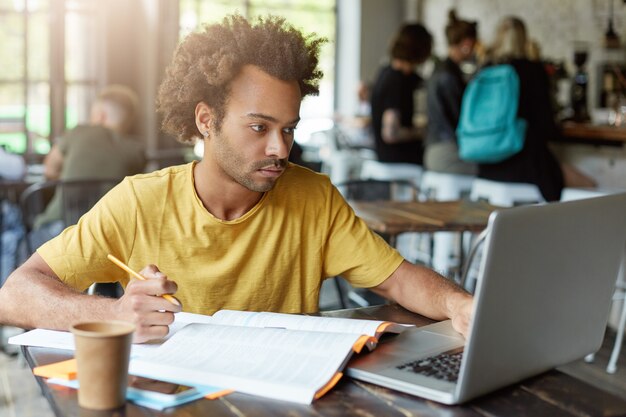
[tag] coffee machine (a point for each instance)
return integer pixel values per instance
(580, 84)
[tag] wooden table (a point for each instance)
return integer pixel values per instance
(550, 394)
(594, 134)
(396, 217)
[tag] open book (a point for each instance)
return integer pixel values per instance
(282, 356)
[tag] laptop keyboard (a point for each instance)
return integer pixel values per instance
(444, 366)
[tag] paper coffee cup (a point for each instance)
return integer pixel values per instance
(102, 356)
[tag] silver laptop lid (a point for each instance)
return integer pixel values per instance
(545, 284)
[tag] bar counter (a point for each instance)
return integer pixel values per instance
(593, 134)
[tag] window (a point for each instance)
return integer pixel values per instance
(49, 70)
(317, 16)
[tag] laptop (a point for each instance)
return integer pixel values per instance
(545, 284)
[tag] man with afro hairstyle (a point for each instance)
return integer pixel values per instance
(242, 229)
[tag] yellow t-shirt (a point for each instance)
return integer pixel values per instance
(273, 258)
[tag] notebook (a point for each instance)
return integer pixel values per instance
(542, 300)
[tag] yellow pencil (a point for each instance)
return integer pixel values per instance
(138, 276)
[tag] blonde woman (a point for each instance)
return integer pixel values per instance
(535, 163)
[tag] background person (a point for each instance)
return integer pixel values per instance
(103, 149)
(443, 101)
(535, 163)
(13, 168)
(396, 138)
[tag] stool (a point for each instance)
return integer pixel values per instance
(498, 193)
(406, 243)
(389, 171)
(569, 194)
(342, 166)
(339, 161)
(443, 186)
(505, 194)
(572, 193)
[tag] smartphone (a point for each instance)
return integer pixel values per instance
(159, 390)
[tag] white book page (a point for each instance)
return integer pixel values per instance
(65, 340)
(275, 363)
(299, 322)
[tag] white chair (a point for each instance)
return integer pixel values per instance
(339, 161)
(442, 186)
(572, 193)
(407, 243)
(505, 194)
(498, 193)
(391, 171)
(569, 194)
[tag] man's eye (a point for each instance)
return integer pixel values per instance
(258, 128)
(289, 130)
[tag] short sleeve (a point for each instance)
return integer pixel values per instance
(79, 254)
(353, 250)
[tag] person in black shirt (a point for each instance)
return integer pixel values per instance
(397, 140)
(443, 103)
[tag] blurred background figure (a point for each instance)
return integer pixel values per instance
(397, 139)
(363, 93)
(535, 163)
(12, 168)
(103, 149)
(445, 93)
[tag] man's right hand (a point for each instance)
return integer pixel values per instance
(143, 305)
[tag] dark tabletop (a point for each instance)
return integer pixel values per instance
(550, 394)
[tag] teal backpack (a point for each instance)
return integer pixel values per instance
(489, 130)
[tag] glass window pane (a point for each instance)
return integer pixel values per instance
(13, 142)
(78, 104)
(12, 117)
(12, 5)
(80, 5)
(194, 13)
(80, 51)
(38, 115)
(12, 50)
(38, 5)
(210, 12)
(277, 6)
(41, 144)
(38, 46)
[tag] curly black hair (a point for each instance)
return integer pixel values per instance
(206, 62)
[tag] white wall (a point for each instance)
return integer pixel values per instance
(365, 29)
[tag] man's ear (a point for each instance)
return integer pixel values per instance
(204, 117)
